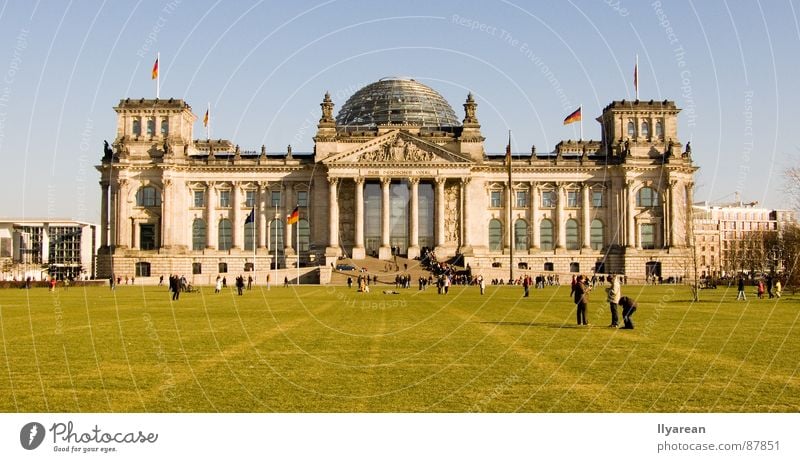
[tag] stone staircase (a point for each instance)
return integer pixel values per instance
(385, 270)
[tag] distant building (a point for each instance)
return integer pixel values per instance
(41, 248)
(735, 237)
(395, 173)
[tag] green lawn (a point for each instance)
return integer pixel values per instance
(321, 349)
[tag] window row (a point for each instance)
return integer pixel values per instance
(225, 234)
(546, 235)
(644, 129)
(224, 198)
(548, 198)
(150, 123)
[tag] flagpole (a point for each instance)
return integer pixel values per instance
(636, 77)
(581, 121)
(158, 75)
(208, 122)
(510, 216)
(297, 242)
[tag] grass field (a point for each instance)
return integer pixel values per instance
(326, 349)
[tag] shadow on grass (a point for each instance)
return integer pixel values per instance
(549, 325)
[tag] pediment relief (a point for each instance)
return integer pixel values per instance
(396, 148)
(648, 214)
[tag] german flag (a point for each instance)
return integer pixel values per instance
(206, 118)
(574, 117)
(155, 70)
(294, 216)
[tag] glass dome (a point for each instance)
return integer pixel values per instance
(396, 100)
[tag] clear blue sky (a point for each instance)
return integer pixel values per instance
(264, 67)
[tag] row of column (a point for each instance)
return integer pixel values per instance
(116, 223)
(385, 248)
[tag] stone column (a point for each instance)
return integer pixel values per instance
(688, 213)
(630, 226)
(167, 218)
(104, 213)
(333, 219)
(237, 221)
(287, 208)
(385, 250)
(465, 219)
(359, 252)
(413, 245)
(123, 216)
(672, 209)
(113, 215)
(585, 202)
(561, 234)
(262, 215)
(211, 218)
(440, 212)
(534, 218)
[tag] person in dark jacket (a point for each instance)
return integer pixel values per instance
(579, 291)
(628, 308)
(741, 295)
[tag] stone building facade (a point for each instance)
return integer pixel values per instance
(395, 173)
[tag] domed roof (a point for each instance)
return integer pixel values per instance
(397, 100)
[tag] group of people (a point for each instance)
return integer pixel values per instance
(177, 285)
(581, 286)
(771, 287)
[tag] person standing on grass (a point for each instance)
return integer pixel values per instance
(740, 288)
(482, 284)
(240, 284)
(525, 286)
(777, 288)
(628, 308)
(218, 285)
(613, 300)
(249, 282)
(760, 289)
(174, 286)
(580, 291)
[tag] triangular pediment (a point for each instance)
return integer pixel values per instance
(396, 148)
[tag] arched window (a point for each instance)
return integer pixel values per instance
(659, 130)
(137, 126)
(198, 234)
(571, 228)
(147, 196)
(631, 130)
(225, 235)
(647, 197)
(249, 235)
(151, 126)
(276, 234)
(164, 127)
(546, 235)
(495, 235)
(520, 235)
(645, 129)
(303, 235)
(596, 234)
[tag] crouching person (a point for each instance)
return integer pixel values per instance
(628, 308)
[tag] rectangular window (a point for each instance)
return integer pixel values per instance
(597, 198)
(648, 236)
(572, 198)
(302, 198)
(199, 198)
(147, 237)
(224, 198)
(197, 268)
(548, 199)
(496, 198)
(522, 198)
(276, 199)
(250, 198)
(223, 268)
